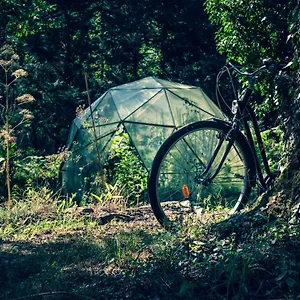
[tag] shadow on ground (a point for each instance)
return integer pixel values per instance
(80, 268)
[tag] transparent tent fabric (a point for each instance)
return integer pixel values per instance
(149, 110)
(151, 83)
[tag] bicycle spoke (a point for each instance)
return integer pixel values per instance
(189, 163)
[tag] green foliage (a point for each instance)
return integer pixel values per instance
(248, 32)
(274, 144)
(127, 168)
(113, 42)
(251, 30)
(112, 196)
(66, 203)
(294, 112)
(36, 171)
(150, 61)
(273, 140)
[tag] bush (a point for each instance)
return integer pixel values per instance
(36, 171)
(126, 168)
(274, 146)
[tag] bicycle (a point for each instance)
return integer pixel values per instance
(207, 169)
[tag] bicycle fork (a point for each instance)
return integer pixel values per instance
(230, 136)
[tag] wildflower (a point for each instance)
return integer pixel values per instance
(20, 73)
(27, 115)
(80, 111)
(5, 63)
(15, 57)
(7, 137)
(26, 98)
(6, 50)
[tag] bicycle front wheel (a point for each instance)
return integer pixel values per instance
(180, 192)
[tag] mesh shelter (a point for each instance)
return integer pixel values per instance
(149, 110)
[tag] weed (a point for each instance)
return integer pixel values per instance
(14, 117)
(112, 195)
(66, 203)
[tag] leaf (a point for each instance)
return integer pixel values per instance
(263, 19)
(278, 278)
(289, 37)
(97, 197)
(288, 64)
(290, 282)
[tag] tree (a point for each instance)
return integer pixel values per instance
(251, 30)
(114, 42)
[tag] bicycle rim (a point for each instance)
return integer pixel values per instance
(181, 196)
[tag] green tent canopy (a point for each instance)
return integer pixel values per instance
(149, 110)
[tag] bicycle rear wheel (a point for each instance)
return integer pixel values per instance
(178, 190)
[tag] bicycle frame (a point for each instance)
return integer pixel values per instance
(244, 110)
(263, 181)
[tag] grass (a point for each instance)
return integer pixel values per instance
(49, 253)
(79, 261)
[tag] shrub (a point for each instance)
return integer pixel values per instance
(126, 168)
(36, 171)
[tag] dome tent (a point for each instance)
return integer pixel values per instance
(149, 110)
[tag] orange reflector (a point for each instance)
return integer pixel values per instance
(185, 191)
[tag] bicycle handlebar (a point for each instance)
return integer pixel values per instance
(247, 74)
(266, 64)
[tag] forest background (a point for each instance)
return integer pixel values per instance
(116, 42)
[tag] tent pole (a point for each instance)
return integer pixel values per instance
(94, 128)
(131, 141)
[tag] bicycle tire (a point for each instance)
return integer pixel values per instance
(186, 148)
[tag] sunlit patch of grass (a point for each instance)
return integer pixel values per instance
(35, 214)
